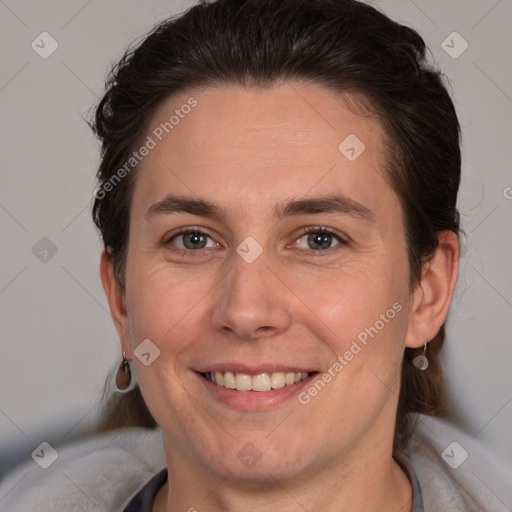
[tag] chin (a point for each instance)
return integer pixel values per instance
(259, 462)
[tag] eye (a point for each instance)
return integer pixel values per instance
(319, 239)
(191, 239)
(316, 238)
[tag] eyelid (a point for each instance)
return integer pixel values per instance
(343, 240)
(187, 230)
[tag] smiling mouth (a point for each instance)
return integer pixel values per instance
(259, 382)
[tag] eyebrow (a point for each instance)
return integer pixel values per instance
(201, 207)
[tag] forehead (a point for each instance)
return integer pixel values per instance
(233, 144)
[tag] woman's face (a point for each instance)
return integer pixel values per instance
(252, 293)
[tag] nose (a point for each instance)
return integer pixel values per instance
(251, 302)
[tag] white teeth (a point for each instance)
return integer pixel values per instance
(229, 380)
(219, 379)
(277, 380)
(260, 382)
(243, 382)
(289, 378)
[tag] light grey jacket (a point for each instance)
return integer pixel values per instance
(103, 473)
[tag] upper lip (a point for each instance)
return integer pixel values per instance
(253, 369)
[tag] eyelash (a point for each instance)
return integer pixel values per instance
(304, 231)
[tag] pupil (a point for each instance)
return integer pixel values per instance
(193, 240)
(320, 239)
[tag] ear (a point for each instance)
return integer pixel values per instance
(433, 295)
(115, 297)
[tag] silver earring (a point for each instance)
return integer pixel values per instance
(125, 379)
(421, 361)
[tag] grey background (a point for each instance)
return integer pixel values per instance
(57, 339)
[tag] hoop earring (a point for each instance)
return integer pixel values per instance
(125, 379)
(421, 361)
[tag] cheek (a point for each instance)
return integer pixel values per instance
(360, 313)
(161, 303)
(166, 308)
(352, 297)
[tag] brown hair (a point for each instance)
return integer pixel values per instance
(344, 45)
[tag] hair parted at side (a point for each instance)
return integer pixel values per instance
(344, 45)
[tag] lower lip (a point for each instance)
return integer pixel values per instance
(254, 400)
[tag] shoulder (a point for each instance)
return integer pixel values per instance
(455, 471)
(98, 473)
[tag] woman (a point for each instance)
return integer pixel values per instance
(277, 201)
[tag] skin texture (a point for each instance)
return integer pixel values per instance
(247, 150)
